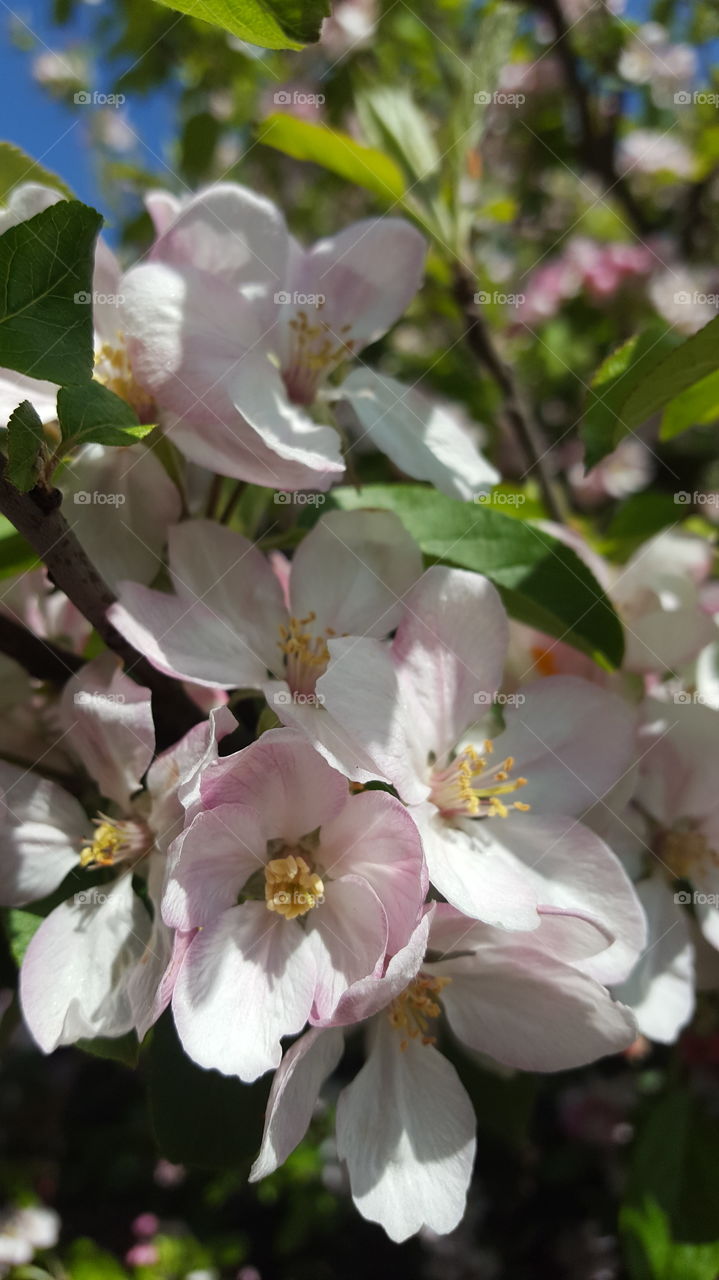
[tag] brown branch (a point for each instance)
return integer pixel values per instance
(516, 415)
(41, 658)
(37, 516)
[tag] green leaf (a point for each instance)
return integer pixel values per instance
(46, 265)
(20, 927)
(91, 413)
(25, 446)
(651, 1254)
(542, 582)
(639, 518)
(691, 362)
(336, 151)
(694, 407)
(124, 1049)
(272, 24)
(674, 1161)
(88, 1262)
(605, 421)
(392, 121)
(16, 167)
(201, 1117)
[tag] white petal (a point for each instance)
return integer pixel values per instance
(295, 1088)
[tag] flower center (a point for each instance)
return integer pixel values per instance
(468, 787)
(116, 841)
(113, 370)
(417, 1006)
(306, 655)
(687, 852)
(314, 352)
(292, 888)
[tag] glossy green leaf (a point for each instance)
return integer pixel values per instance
(694, 407)
(46, 266)
(20, 927)
(272, 24)
(691, 362)
(25, 446)
(91, 413)
(542, 582)
(364, 166)
(605, 420)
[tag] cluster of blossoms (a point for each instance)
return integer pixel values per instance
(435, 837)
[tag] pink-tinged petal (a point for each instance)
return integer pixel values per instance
(368, 275)
(109, 719)
(405, 1128)
(680, 741)
(352, 572)
(368, 995)
(188, 641)
(247, 980)
(187, 331)
(361, 692)
(375, 837)
(16, 387)
(348, 931)
(450, 648)
(569, 938)
(422, 438)
(226, 230)
(478, 879)
(227, 444)
(295, 1089)
(166, 986)
(660, 988)
(210, 862)
(145, 979)
(280, 775)
(173, 779)
(663, 640)
(42, 830)
(568, 867)
(163, 208)
(73, 980)
(572, 741)
(326, 735)
(132, 503)
(528, 1010)
(107, 289)
(257, 391)
(226, 572)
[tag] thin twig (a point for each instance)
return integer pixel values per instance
(515, 413)
(37, 516)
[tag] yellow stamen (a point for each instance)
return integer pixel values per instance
(291, 887)
(413, 1010)
(113, 370)
(468, 787)
(306, 655)
(687, 853)
(115, 841)
(315, 352)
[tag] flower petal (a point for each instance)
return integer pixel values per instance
(295, 1088)
(109, 719)
(42, 830)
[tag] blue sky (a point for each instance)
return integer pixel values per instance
(59, 134)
